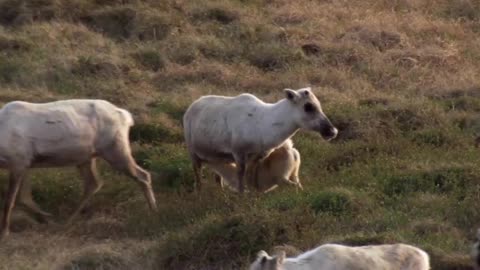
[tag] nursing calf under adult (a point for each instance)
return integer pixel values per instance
(281, 166)
(340, 257)
(245, 130)
(65, 133)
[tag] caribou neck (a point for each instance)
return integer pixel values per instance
(279, 124)
(294, 264)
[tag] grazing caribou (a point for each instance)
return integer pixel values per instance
(65, 133)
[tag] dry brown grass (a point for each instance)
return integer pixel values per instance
(399, 78)
(98, 243)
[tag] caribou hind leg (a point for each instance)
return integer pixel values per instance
(295, 174)
(144, 179)
(119, 157)
(197, 171)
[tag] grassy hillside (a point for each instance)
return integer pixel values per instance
(400, 79)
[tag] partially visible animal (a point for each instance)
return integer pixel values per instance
(65, 133)
(476, 252)
(340, 257)
(281, 166)
(477, 142)
(246, 130)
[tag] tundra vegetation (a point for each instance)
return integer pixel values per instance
(399, 79)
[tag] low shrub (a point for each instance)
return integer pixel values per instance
(150, 59)
(115, 22)
(333, 202)
(433, 137)
(219, 13)
(97, 260)
(222, 243)
(273, 56)
(435, 181)
(153, 133)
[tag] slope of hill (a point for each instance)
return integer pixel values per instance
(399, 78)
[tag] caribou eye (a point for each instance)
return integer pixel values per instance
(309, 108)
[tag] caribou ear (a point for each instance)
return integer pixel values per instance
(291, 94)
(281, 257)
(263, 260)
(263, 257)
(262, 253)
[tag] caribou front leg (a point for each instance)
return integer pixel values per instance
(25, 198)
(241, 173)
(91, 185)
(16, 178)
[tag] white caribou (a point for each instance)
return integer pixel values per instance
(245, 130)
(65, 133)
(340, 257)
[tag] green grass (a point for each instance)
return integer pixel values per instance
(398, 78)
